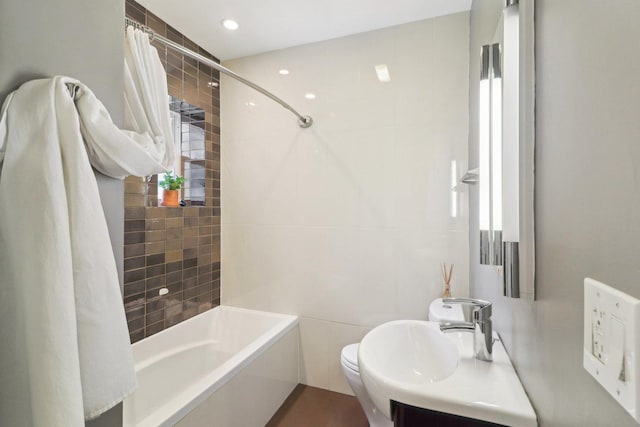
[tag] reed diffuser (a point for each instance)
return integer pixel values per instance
(446, 276)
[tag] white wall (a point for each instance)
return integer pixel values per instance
(345, 223)
(587, 203)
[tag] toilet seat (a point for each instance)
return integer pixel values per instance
(349, 357)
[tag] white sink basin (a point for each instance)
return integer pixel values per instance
(432, 358)
(412, 362)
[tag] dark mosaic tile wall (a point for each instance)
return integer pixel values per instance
(174, 248)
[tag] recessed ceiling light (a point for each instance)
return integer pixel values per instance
(213, 84)
(310, 95)
(230, 24)
(284, 72)
(383, 73)
(250, 104)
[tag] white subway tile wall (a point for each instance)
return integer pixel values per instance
(345, 223)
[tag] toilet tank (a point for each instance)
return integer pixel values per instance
(440, 312)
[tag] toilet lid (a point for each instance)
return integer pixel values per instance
(350, 356)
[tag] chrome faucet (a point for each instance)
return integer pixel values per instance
(480, 326)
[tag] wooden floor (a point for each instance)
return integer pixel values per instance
(314, 407)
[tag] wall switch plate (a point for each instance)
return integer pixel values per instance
(598, 319)
(611, 352)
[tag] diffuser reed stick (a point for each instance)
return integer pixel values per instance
(446, 276)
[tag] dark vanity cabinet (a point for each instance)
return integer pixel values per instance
(412, 416)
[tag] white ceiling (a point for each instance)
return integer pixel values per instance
(267, 25)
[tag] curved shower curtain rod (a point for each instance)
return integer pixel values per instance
(303, 121)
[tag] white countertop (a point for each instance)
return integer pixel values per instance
(489, 391)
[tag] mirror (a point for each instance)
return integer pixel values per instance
(506, 145)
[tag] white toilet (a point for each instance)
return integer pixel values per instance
(438, 312)
(349, 361)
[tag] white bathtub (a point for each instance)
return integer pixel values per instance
(225, 367)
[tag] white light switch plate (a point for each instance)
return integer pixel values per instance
(611, 342)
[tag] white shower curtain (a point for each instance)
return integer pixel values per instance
(65, 354)
(146, 97)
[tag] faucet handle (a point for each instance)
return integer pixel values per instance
(481, 308)
(470, 301)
